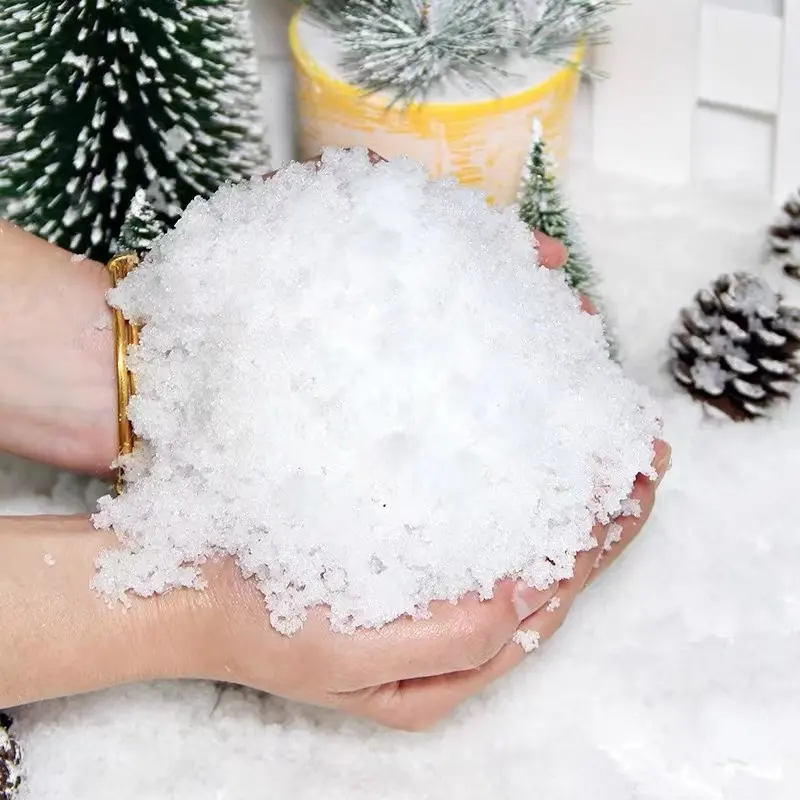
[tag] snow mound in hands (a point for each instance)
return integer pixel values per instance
(360, 384)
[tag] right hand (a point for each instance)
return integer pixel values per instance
(411, 673)
(58, 398)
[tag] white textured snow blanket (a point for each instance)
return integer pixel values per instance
(674, 678)
(361, 384)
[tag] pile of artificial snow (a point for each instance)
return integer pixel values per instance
(674, 678)
(361, 385)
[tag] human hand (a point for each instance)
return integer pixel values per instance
(58, 403)
(411, 673)
(58, 400)
(408, 675)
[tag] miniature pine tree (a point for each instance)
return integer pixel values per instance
(142, 225)
(542, 208)
(101, 98)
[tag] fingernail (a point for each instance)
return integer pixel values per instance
(375, 158)
(528, 600)
(555, 255)
(663, 461)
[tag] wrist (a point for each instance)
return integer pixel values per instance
(57, 379)
(60, 638)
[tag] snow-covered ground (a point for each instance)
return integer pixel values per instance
(676, 678)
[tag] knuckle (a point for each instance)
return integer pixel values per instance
(478, 639)
(343, 675)
(408, 709)
(412, 720)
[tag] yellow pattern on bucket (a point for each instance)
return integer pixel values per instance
(483, 143)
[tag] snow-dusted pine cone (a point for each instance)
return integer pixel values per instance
(785, 237)
(737, 345)
(10, 757)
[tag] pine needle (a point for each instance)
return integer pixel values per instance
(406, 47)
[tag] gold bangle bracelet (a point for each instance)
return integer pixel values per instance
(125, 335)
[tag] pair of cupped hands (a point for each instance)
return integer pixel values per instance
(413, 673)
(410, 674)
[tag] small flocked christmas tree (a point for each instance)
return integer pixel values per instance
(102, 98)
(142, 226)
(542, 208)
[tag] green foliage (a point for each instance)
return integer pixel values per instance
(542, 207)
(101, 98)
(405, 47)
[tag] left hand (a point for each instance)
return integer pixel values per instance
(58, 397)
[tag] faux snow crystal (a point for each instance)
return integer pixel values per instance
(360, 384)
(527, 640)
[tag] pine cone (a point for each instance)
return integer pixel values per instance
(10, 757)
(785, 237)
(737, 346)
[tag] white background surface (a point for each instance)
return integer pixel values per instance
(676, 679)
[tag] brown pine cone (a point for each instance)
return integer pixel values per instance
(736, 347)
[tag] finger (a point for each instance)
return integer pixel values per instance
(316, 161)
(588, 305)
(552, 254)
(453, 638)
(625, 529)
(419, 704)
(374, 158)
(628, 528)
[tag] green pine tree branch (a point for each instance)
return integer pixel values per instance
(406, 47)
(542, 207)
(142, 226)
(100, 99)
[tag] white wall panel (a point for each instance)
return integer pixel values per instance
(733, 151)
(744, 101)
(774, 7)
(787, 136)
(643, 114)
(740, 59)
(270, 25)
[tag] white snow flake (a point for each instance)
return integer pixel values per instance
(121, 132)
